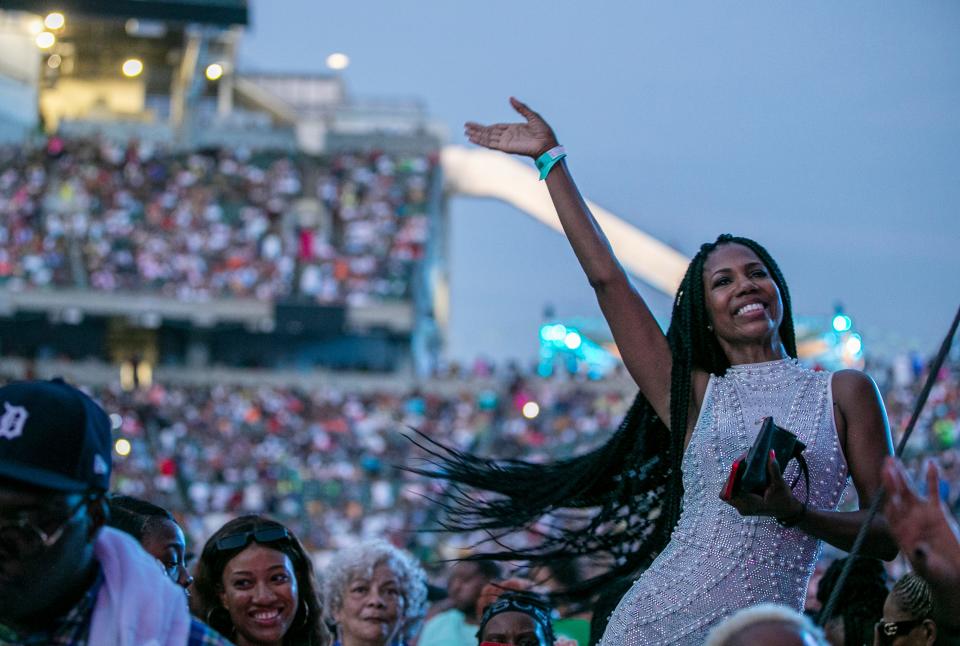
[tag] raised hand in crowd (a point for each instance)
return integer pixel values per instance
(927, 535)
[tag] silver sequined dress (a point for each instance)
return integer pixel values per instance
(717, 561)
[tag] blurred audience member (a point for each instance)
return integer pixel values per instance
(572, 621)
(67, 579)
(907, 614)
(255, 583)
(766, 624)
(375, 594)
(458, 625)
(156, 530)
(492, 591)
(860, 604)
(928, 536)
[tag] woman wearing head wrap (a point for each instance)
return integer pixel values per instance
(516, 618)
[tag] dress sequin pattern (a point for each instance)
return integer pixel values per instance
(718, 561)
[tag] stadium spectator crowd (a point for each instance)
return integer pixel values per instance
(210, 224)
(325, 461)
(255, 581)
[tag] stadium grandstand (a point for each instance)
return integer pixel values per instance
(162, 209)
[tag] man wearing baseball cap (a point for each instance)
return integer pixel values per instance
(65, 578)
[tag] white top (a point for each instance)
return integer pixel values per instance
(717, 561)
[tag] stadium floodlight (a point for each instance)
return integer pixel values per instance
(54, 20)
(54, 61)
(572, 340)
(132, 67)
(214, 71)
(530, 410)
(854, 344)
(338, 61)
(842, 323)
(35, 26)
(122, 447)
(45, 40)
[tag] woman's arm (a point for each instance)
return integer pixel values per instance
(639, 338)
(864, 436)
(865, 439)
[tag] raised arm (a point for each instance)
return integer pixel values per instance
(639, 338)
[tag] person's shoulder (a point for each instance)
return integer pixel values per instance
(439, 628)
(851, 383)
(446, 618)
(203, 635)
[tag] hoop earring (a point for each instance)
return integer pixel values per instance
(306, 615)
(215, 611)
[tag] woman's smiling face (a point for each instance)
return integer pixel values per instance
(742, 299)
(260, 593)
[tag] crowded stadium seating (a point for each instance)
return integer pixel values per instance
(89, 213)
(323, 457)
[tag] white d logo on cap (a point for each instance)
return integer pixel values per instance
(11, 424)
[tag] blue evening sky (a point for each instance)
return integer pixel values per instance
(829, 131)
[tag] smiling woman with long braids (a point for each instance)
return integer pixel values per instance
(375, 594)
(255, 585)
(727, 361)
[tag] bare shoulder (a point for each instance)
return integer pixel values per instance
(859, 413)
(853, 387)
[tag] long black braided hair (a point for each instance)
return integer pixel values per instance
(632, 484)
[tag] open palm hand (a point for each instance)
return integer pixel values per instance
(922, 527)
(532, 138)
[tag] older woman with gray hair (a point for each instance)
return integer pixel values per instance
(766, 623)
(376, 594)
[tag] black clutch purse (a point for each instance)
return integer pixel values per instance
(749, 472)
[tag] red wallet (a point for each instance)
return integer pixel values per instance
(736, 472)
(749, 471)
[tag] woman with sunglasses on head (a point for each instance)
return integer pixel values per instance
(907, 614)
(255, 584)
(156, 530)
(375, 594)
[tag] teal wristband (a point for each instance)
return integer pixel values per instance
(548, 160)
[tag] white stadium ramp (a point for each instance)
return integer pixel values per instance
(486, 173)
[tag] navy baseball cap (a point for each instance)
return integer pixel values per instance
(53, 436)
